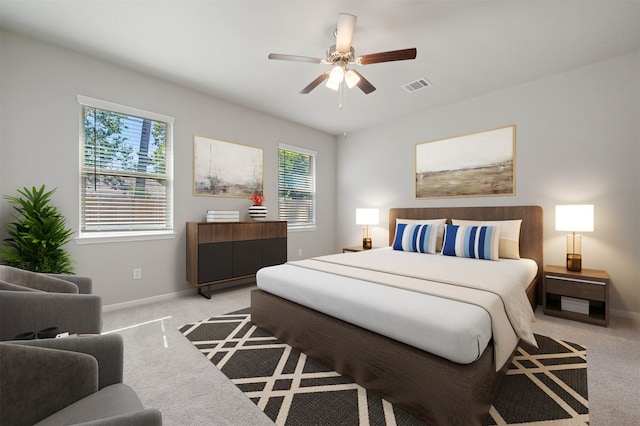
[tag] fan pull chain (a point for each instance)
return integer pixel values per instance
(343, 96)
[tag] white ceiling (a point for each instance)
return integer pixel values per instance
(465, 48)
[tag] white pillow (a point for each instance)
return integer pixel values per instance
(509, 234)
(442, 222)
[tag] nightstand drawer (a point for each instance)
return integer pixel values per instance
(589, 288)
(579, 288)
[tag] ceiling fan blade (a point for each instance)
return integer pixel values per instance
(392, 55)
(364, 84)
(315, 83)
(294, 58)
(344, 32)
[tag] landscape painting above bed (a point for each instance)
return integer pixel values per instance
(469, 165)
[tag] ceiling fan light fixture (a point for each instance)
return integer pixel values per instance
(332, 85)
(341, 55)
(351, 78)
(337, 74)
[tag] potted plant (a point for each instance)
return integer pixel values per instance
(257, 211)
(37, 235)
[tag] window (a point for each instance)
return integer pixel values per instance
(126, 184)
(297, 187)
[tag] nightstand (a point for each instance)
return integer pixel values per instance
(579, 296)
(354, 248)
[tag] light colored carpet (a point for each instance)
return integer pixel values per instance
(170, 374)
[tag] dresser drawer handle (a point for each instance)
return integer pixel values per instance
(575, 280)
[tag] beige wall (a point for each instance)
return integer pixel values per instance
(577, 141)
(39, 144)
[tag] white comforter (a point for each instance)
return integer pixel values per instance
(445, 327)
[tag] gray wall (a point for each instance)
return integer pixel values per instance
(39, 144)
(577, 141)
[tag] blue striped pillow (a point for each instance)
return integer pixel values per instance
(419, 238)
(479, 242)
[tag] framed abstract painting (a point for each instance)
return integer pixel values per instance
(471, 165)
(226, 169)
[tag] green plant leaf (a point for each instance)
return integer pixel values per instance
(37, 234)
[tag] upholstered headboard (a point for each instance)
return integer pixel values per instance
(530, 230)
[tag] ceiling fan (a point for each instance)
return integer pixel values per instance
(341, 55)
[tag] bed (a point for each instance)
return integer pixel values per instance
(429, 386)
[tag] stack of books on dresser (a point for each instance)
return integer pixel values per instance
(222, 216)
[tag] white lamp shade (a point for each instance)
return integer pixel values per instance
(337, 74)
(351, 78)
(574, 218)
(367, 216)
(332, 85)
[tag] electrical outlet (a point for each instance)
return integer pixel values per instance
(299, 252)
(137, 273)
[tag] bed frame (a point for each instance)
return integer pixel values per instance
(431, 388)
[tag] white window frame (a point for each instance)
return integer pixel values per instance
(305, 226)
(139, 234)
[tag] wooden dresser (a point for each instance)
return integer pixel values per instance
(219, 252)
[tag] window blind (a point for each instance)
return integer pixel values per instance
(296, 186)
(126, 183)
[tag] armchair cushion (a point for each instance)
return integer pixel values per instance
(84, 284)
(75, 380)
(37, 382)
(15, 287)
(23, 311)
(146, 417)
(31, 301)
(114, 405)
(37, 281)
(107, 350)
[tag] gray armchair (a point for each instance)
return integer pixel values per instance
(68, 381)
(31, 301)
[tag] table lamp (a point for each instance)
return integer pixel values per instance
(574, 218)
(367, 217)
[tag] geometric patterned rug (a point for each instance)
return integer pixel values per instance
(544, 386)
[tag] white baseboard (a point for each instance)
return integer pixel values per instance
(169, 296)
(625, 314)
(146, 300)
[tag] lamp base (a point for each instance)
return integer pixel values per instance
(366, 243)
(574, 262)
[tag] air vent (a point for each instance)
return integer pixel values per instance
(416, 85)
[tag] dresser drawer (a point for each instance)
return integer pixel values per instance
(579, 288)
